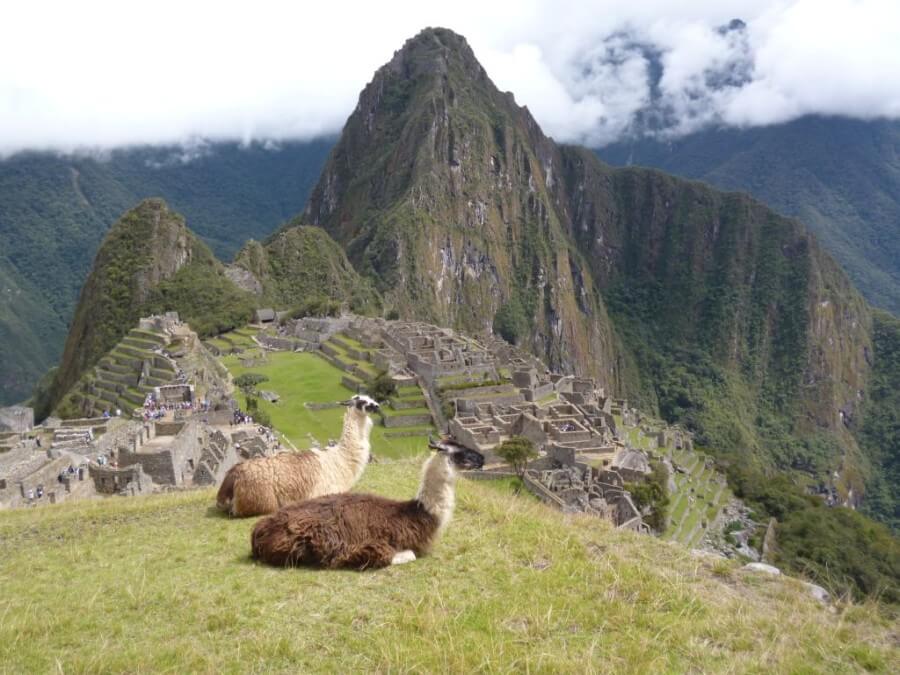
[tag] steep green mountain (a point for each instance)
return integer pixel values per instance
(444, 191)
(148, 262)
(300, 264)
(54, 211)
(706, 307)
(879, 426)
(839, 176)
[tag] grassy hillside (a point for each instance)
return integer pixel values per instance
(165, 583)
(841, 177)
(55, 210)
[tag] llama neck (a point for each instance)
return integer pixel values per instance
(436, 492)
(352, 452)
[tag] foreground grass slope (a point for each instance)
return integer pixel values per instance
(165, 584)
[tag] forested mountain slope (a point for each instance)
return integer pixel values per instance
(54, 211)
(840, 176)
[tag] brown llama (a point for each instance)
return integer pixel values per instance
(263, 485)
(363, 531)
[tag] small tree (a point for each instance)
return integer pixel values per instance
(382, 387)
(248, 381)
(247, 384)
(517, 452)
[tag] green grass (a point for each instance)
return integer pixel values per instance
(299, 378)
(165, 584)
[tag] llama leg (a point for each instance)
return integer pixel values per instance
(403, 557)
(372, 555)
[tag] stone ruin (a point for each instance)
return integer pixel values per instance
(306, 334)
(166, 323)
(575, 487)
(17, 419)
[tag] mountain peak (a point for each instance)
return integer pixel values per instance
(431, 51)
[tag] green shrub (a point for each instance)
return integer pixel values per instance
(517, 451)
(510, 321)
(654, 493)
(382, 387)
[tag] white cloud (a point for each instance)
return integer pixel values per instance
(105, 74)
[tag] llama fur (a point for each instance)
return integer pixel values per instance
(265, 484)
(363, 531)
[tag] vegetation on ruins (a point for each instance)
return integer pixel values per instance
(653, 494)
(517, 451)
(247, 382)
(510, 582)
(382, 387)
(203, 297)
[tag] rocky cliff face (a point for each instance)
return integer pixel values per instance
(704, 305)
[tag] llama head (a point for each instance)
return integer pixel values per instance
(461, 457)
(362, 403)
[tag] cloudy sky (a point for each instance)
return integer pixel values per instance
(93, 74)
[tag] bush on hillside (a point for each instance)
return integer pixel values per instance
(510, 321)
(382, 387)
(517, 451)
(653, 493)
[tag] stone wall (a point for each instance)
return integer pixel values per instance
(17, 418)
(173, 464)
(407, 420)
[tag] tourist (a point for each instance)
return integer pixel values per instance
(30, 494)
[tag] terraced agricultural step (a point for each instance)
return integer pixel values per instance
(149, 382)
(139, 344)
(148, 336)
(134, 353)
(133, 398)
(126, 405)
(161, 373)
(119, 368)
(162, 363)
(101, 384)
(127, 360)
(125, 379)
(406, 403)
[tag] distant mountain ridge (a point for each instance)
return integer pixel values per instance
(840, 176)
(55, 210)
